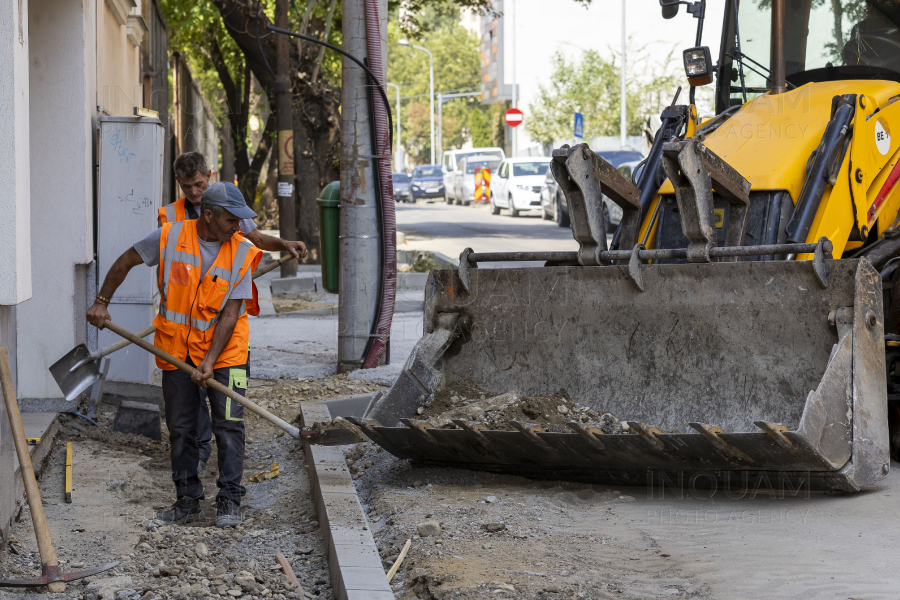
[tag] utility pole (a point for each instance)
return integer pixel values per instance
(287, 220)
(440, 126)
(360, 237)
(622, 109)
(515, 137)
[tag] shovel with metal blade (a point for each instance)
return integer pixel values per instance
(51, 574)
(79, 369)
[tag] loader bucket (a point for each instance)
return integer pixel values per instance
(729, 368)
(735, 374)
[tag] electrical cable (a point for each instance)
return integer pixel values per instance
(258, 43)
(379, 201)
(354, 59)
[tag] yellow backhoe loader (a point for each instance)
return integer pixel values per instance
(744, 320)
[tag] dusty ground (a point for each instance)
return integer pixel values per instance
(508, 537)
(303, 301)
(121, 481)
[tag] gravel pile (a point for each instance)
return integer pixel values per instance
(468, 402)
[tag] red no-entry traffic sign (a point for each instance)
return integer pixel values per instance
(513, 117)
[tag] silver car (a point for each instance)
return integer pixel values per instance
(553, 201)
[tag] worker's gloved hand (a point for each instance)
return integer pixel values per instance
(98, 315)
(298, 249)
(204, 371)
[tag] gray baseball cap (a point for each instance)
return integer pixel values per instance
(228, 196)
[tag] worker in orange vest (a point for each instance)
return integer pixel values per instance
(192, 174)
(205, 270)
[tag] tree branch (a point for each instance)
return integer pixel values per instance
(315, 73)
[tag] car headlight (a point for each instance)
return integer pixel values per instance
(523, 187)
(415, 187)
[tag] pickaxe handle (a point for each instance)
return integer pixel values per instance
(183, 366)
(33, 495)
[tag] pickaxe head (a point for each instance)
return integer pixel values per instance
(50, 574)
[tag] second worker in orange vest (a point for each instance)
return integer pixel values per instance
(205, 271)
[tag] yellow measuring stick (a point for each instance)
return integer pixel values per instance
(69, 472)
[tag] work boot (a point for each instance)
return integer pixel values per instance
(201, 469)
(228, 513)
(185, 510)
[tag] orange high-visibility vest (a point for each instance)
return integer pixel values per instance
(173, 212)
(189, 307)
(170, 213)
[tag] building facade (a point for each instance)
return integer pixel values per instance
(63, 64)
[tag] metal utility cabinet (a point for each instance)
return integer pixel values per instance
(131, 169)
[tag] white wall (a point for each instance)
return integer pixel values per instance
(15, 245)
(63, 99)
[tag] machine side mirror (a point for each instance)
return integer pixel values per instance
(669, 8)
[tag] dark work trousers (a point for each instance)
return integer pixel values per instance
(204, 429)
(204, 423)
(183, 402)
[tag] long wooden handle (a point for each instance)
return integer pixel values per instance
(145, 332)
(269, 267)
(253, 407)
(122, 343)
(38, 518)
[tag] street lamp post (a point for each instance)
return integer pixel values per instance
(398, 153)
(431, 84)
(623, 90)
(443, 99)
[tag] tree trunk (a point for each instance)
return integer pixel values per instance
(316, 120)
(226, 151)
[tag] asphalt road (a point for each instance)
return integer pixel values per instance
(449, 229)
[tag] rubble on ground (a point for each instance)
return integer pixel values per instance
(468, 402)
(122, 480)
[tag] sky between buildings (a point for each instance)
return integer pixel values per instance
(543, 27)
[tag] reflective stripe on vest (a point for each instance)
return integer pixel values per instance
(170, 252)
(170, 213)
(231, 277)
(239, 257)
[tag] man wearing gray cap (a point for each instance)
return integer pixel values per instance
(204, 278)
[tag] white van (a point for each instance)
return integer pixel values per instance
(450, 166)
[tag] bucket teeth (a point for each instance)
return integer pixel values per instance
(648, 432)
(711, 433)
(776, 432)
(420, 426)
(530, 431)
(472, 427)
(589, 434)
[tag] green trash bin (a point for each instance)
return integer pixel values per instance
(329, 202)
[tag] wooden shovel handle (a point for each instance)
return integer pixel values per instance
(38, 518)
(272, 265)
(145, 332)
(183, 366)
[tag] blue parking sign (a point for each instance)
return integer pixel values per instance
(579, 125)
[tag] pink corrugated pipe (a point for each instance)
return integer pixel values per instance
(389, 218)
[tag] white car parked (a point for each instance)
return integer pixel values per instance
(517, 185)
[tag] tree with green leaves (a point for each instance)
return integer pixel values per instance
(197, 33)
(591, 86)
(456, 69)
